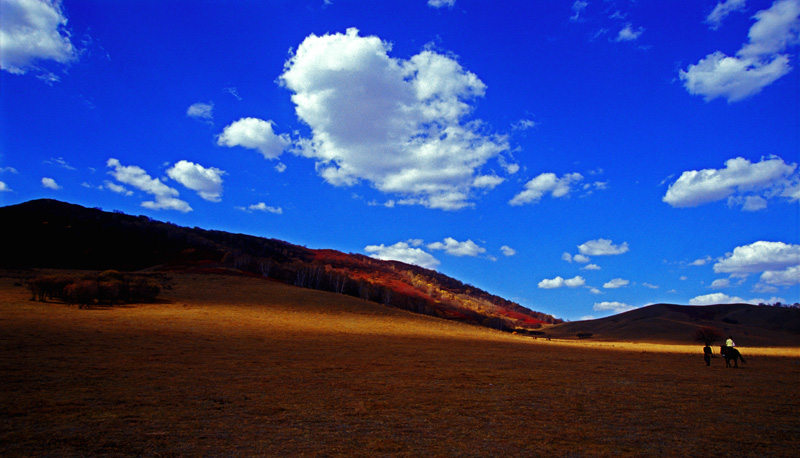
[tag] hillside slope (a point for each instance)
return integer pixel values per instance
(52, 234)
(750, 325)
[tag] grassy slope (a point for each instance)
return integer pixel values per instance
(234, 366)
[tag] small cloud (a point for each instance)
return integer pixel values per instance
(741, 182)
(507, 250)
(757, 64)
(581, 258)
(523, 124)
(261, 207)
(59, 162)
(701, 261)
(721, 283)
(4, 187)
(628, 33)
(453, 247)
(616, 307)
(591, 267)
(207, 182)
(403, 252)
(602, 247)
(648, 285)
(119, 189)
(715, 298)
(441, 3)
(560, 282)
(166, 198)
(577, 9)
(255, 134)
(201, 111)
(50, 183)
(280, 167)
(232, 91)
(616, 283)
(546, 183)
(722, 10)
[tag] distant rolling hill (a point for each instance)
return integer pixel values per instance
(750, 325)
(52, 234)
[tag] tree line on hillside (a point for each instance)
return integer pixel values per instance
(75, 237)
(106, 288)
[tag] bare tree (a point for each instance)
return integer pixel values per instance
(708, 335)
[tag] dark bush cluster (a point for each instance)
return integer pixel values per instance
(106, 288)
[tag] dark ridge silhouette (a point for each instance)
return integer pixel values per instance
(750, 325)
(52, 234)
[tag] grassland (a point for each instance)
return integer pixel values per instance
(237, 367)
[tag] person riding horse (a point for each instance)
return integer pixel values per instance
(731, 353)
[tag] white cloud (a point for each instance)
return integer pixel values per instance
(397, 124)
(591, 267)
(616, 283)
(737, 181)
(256, 134)
(50, 183)
(507, 250)
(721, 283)
(166, 198)
(701, 261)
(403, 252)
(628, 33)
(32, 32)
(566, 257)
(524, 124)
(752, 203)
(4, 187)
(651, 286)
(787, 277)
(616, 307)
(756, 65)
(546, 183)
(582, 259)
(441, 3)
(261, 207)
(722, 10)
(119, 189)
(577, 8)
(201, 111)
(575, 282)
(207, 182)
(59, 162)
(715, 298)
(560, 282)
(233, 92)
(602, 247)
(760, 256)
(454, 247)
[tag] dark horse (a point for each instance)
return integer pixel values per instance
(731, 353)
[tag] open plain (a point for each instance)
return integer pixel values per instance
(233, 366)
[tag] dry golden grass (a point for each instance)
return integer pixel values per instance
(240, 367)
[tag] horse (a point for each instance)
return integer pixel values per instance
(731, 353)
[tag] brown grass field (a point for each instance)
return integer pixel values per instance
(228, 366)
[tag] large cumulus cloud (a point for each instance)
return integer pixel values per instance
(400, 125)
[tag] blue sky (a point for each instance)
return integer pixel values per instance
(581, 158)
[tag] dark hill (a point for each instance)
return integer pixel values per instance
(52, 234)
(750, 325)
